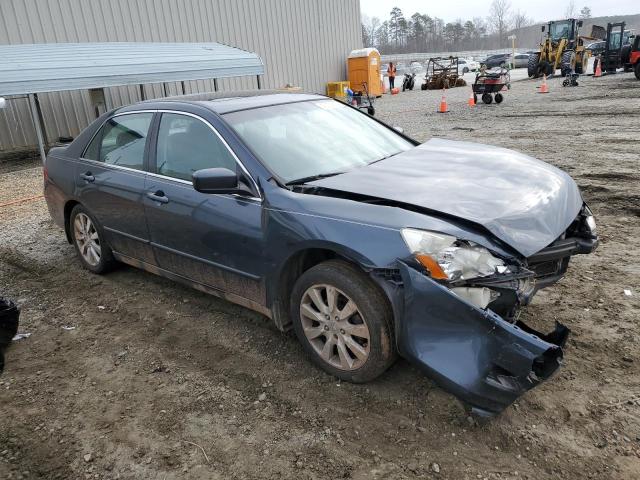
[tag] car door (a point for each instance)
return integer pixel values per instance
(212, 239)
(111, 182)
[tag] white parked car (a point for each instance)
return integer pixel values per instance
(468, 65)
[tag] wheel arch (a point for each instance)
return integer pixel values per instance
(68, 208)
(295, 265)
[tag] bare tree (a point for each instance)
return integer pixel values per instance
(520, 20)
(585, 12)
(370, 27)
(499, 18)
(570, 11)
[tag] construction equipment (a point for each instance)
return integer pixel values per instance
(562, 48)
(442, 73)
(617, 49)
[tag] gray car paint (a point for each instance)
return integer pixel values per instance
(522, 201)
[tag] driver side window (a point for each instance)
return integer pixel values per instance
(186, 145)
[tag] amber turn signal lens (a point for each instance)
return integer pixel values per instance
(432, 267)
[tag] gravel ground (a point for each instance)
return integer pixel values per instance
(131, 376)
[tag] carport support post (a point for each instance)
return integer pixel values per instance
(36, 114)
(215, 84)
(259, 83)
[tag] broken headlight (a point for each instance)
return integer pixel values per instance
(447, 258)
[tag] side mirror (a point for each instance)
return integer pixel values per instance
(579, 23)
(215, 180)
(542, 29)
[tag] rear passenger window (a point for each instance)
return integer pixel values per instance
(122, 141)
(186, 145)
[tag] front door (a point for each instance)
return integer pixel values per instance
(212, 239)
(111, 181)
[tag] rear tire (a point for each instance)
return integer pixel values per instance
(358, 346)
(499, 98)
(487, 98)
(89, 241)
(636, 70)
(568, 62)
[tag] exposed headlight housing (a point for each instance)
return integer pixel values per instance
(447, 258)
(591, 223)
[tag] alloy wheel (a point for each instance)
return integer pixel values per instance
(334, 327)
(87, 239)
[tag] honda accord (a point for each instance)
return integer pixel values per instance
(366, 243)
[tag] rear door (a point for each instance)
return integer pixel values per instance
(110, 182)
(213, 239)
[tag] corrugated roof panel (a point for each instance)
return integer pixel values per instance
(55, 67)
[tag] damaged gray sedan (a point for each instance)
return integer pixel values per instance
(365, 242)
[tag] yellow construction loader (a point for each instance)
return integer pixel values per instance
(562, 48)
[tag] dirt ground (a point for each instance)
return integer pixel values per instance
(132, 376)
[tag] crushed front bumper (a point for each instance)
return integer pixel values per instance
(482, 359)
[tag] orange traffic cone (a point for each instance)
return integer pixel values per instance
(444, 108)
(472, 99)
(598, 72)
(544, 88)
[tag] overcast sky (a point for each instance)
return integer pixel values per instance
(539, 10)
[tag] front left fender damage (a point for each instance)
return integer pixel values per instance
(475, 354)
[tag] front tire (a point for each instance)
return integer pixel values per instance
(88, 240)
(636, 70)
(532, 66)
(343, 321)
(487, 98)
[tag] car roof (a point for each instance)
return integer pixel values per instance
(226, 102)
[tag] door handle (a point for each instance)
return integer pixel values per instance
(88, 177)
(158, 196)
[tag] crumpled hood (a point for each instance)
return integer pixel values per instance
(524, 202)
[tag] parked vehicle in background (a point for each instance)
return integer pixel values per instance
(270, 201)
(596, 48)
(521, 60)
(498, 60)
(416, 67)
(468, 65)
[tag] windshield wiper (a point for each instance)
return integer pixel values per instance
(383, 158)
(311, 178)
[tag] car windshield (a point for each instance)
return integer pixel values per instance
(306, 140)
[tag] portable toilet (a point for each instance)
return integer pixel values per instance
(363, 65)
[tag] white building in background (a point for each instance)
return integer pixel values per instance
(301, 42)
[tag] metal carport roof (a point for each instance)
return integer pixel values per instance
(50, 67)
(29, 69)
